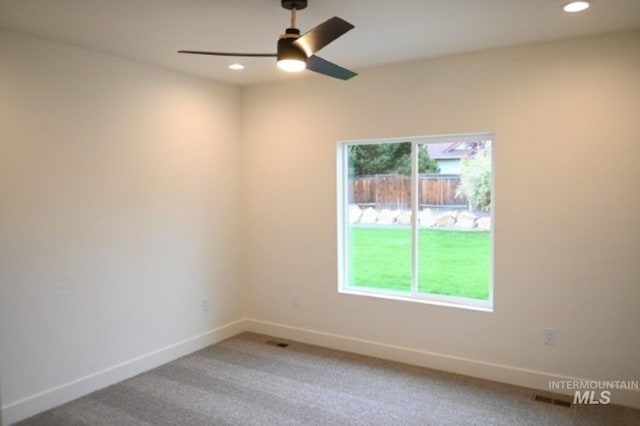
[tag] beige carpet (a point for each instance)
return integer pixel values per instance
(247, 381)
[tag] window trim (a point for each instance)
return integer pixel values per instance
(343, 224)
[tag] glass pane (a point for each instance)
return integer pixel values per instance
(454, 244)
(379, 232)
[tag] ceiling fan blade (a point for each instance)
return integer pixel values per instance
(248, 55)
(318, 37)
(322, 66)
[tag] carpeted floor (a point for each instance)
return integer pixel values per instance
(247, 381)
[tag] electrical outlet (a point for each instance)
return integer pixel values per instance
(205, 304)
(550, 336)
(295, 300)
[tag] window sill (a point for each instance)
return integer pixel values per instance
(445, 301)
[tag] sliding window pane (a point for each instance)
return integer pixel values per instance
(379, 229)
(454, 241)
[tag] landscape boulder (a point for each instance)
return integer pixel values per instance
(426, 218)
(484, 223)
(466, 220)
(388, 217)
(369, 216)
(355, 213)
(445, 219)
(404, 218)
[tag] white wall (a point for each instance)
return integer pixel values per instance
(119, 212)
(567, 231)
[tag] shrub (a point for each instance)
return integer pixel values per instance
(475, 179)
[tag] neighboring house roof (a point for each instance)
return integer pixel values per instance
(451, 151)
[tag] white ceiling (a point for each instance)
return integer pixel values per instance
(389, 31)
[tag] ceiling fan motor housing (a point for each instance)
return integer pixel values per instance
(286, 48)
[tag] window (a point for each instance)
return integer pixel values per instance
(415, 219)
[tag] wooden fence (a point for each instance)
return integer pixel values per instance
(394, 191)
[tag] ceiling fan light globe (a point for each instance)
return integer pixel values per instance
(292, 65)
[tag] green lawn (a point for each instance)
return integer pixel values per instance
(454, 263)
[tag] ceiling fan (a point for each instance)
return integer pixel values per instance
(297, 52)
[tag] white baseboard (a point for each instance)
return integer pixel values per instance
(474, 368)
(26, 407)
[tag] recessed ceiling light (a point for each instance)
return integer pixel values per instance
(236, 67)
(576, 6)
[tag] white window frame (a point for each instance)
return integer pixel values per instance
(343, 224)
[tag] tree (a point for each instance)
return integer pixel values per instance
(425, 163)
(387, 158)
(475, 179)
